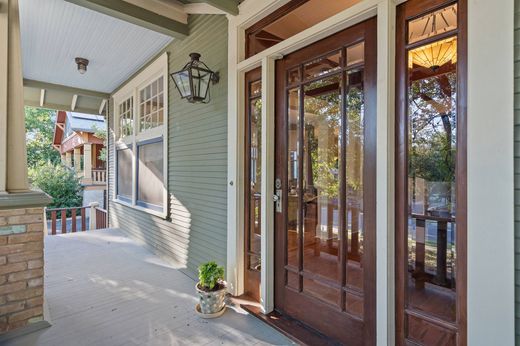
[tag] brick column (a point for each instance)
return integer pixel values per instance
(21, 267)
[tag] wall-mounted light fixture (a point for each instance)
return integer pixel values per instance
(193, 80)
(82, 65)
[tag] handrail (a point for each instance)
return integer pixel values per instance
(97, 218)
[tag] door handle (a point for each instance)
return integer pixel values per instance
(277, 198)
(278, 193)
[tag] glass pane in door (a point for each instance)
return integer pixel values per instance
(321, 168)
(293, 178)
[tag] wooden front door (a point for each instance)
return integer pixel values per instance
(325, 176)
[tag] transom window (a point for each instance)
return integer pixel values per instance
(290, 19)
(151, 105)
(126, 118)
(141, 166)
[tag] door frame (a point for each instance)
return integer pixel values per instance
(251, 12)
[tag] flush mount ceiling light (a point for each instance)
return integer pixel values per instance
(82, 65)
(193, 80)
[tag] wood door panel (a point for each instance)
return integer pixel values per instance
(328, 279)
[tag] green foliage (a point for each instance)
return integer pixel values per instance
(39, 127)
(102, 134)
(210, 274)
(59, 182)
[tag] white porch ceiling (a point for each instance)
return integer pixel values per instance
(54, 32)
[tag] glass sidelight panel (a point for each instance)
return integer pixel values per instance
(255, 174)
(432, 132)
(431, 185)
(253, 184)
(321, 168)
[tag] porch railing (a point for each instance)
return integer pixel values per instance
(101, 218)
(76, 219)
(99, 176)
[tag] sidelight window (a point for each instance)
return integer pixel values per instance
(430, 243)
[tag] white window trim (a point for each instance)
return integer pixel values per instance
(158, 68)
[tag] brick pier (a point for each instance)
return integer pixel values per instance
(21, 267)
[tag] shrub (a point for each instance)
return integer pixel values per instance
(59, 182)
(211, 275)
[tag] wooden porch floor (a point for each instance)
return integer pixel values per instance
(102, 288)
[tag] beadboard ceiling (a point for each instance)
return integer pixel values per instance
(54, 32)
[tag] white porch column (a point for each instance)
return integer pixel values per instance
(87, 163)
(77, 160)
(13, 154)
(63, 159)
(68, 159)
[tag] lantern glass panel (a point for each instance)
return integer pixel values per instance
(201, 79)
(182, 81)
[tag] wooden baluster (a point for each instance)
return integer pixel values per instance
(53, 222)
(442, 247)
(73, 212)
(420, 253)
(63, 221)
(83, 222)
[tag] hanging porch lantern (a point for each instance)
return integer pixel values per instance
(193, 80)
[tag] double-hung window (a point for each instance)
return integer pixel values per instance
(141, 140)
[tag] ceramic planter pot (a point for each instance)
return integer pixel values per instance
(211, 302)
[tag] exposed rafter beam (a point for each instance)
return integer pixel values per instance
(228, 6)
(136, 15)
(102, 107)
(48, 86)
(74, 101)
(42, 97)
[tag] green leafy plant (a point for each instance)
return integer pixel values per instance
(210, 275)
(39, 127)
(59, 182)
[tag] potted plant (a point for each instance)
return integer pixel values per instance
(211, 289)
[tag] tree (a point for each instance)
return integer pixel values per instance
(102, 134)
(59, 182)
(39, 127)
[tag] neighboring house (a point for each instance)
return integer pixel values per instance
(75, 138)
(354, 169)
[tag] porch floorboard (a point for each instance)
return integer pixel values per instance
(103, 288)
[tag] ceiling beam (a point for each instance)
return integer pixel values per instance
(136, 15)
(49, 86)
(102, 106)
(228, 6)
(74, 101)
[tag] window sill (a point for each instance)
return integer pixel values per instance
(163, 215)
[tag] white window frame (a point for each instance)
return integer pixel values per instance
(158, 68)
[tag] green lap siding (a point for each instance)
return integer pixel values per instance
(517, 171)
(196, 229)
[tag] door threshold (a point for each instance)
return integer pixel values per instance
(290, 327)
